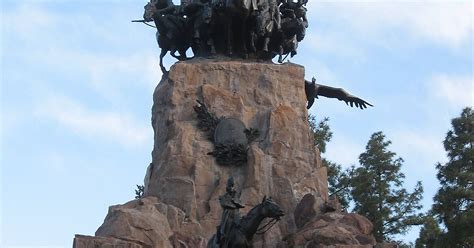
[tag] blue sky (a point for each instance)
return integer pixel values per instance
(77, 79)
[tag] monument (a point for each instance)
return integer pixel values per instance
(233, 162)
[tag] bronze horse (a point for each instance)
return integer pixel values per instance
(171, 32)
(242, 232)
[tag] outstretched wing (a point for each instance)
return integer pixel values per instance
(342, 95)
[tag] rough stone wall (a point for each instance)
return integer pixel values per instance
(282, 163)
(180, 207)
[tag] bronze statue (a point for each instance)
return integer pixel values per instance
(313, 90)
(171, 32)
(229, 27)
(236, 16)
(235, 231)
(230, 204)
(200, 15)
(293, 25)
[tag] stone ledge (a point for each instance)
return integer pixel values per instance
(83, 241)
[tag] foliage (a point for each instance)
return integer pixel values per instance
(429, 233)
(339, 182)
(139, 191)
(338, 179)
(454, 202)
(400, 244)
(378, 193)
(321, 132)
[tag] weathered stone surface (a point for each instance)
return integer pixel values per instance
(138, 221)
(308, 208)
(282, 163)
(82, 241)
(179, 240)
(333, 230)
(333, 204)
(360, 222)
(151, 223)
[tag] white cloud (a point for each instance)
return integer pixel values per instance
(106, 125)
(333, 42)
(56, 49)
(457, 91)
(91, 48)
(425, 147)
(446, 23)
(105, 72)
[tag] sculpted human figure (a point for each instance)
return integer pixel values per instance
(168, 9)
(275, 12)
(294, 16)
(297, 7)
(237, 232)
(200, 17)
(230, 204)
(264, 25)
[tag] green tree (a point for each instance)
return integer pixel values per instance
(338, 179)
(339, 182)
(321, 132)
(378, 193)
(429, 233)
(454, 202)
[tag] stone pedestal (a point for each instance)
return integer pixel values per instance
(282, 163)
(180, 207)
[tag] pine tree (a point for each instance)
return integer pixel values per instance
(378, 193)
(338, 179)
(429, 234)
(454, 202)
(321, 132)
(339, 182)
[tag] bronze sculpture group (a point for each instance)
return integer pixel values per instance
(260, 29)
(235, 231)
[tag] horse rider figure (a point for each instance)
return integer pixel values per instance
(199, 17)
(166, 8)
(295, 12)
(275, 13)
(230, 204)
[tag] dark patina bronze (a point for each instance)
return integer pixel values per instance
(256, 29)
(235, 231)
(230, 136)
(313, 90)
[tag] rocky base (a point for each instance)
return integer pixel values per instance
(331, 229)
(180, 207)
(147, 222)
(82, 241)
(282, 161)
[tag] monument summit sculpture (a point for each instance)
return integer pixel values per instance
(226, 117)
(256, 29)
